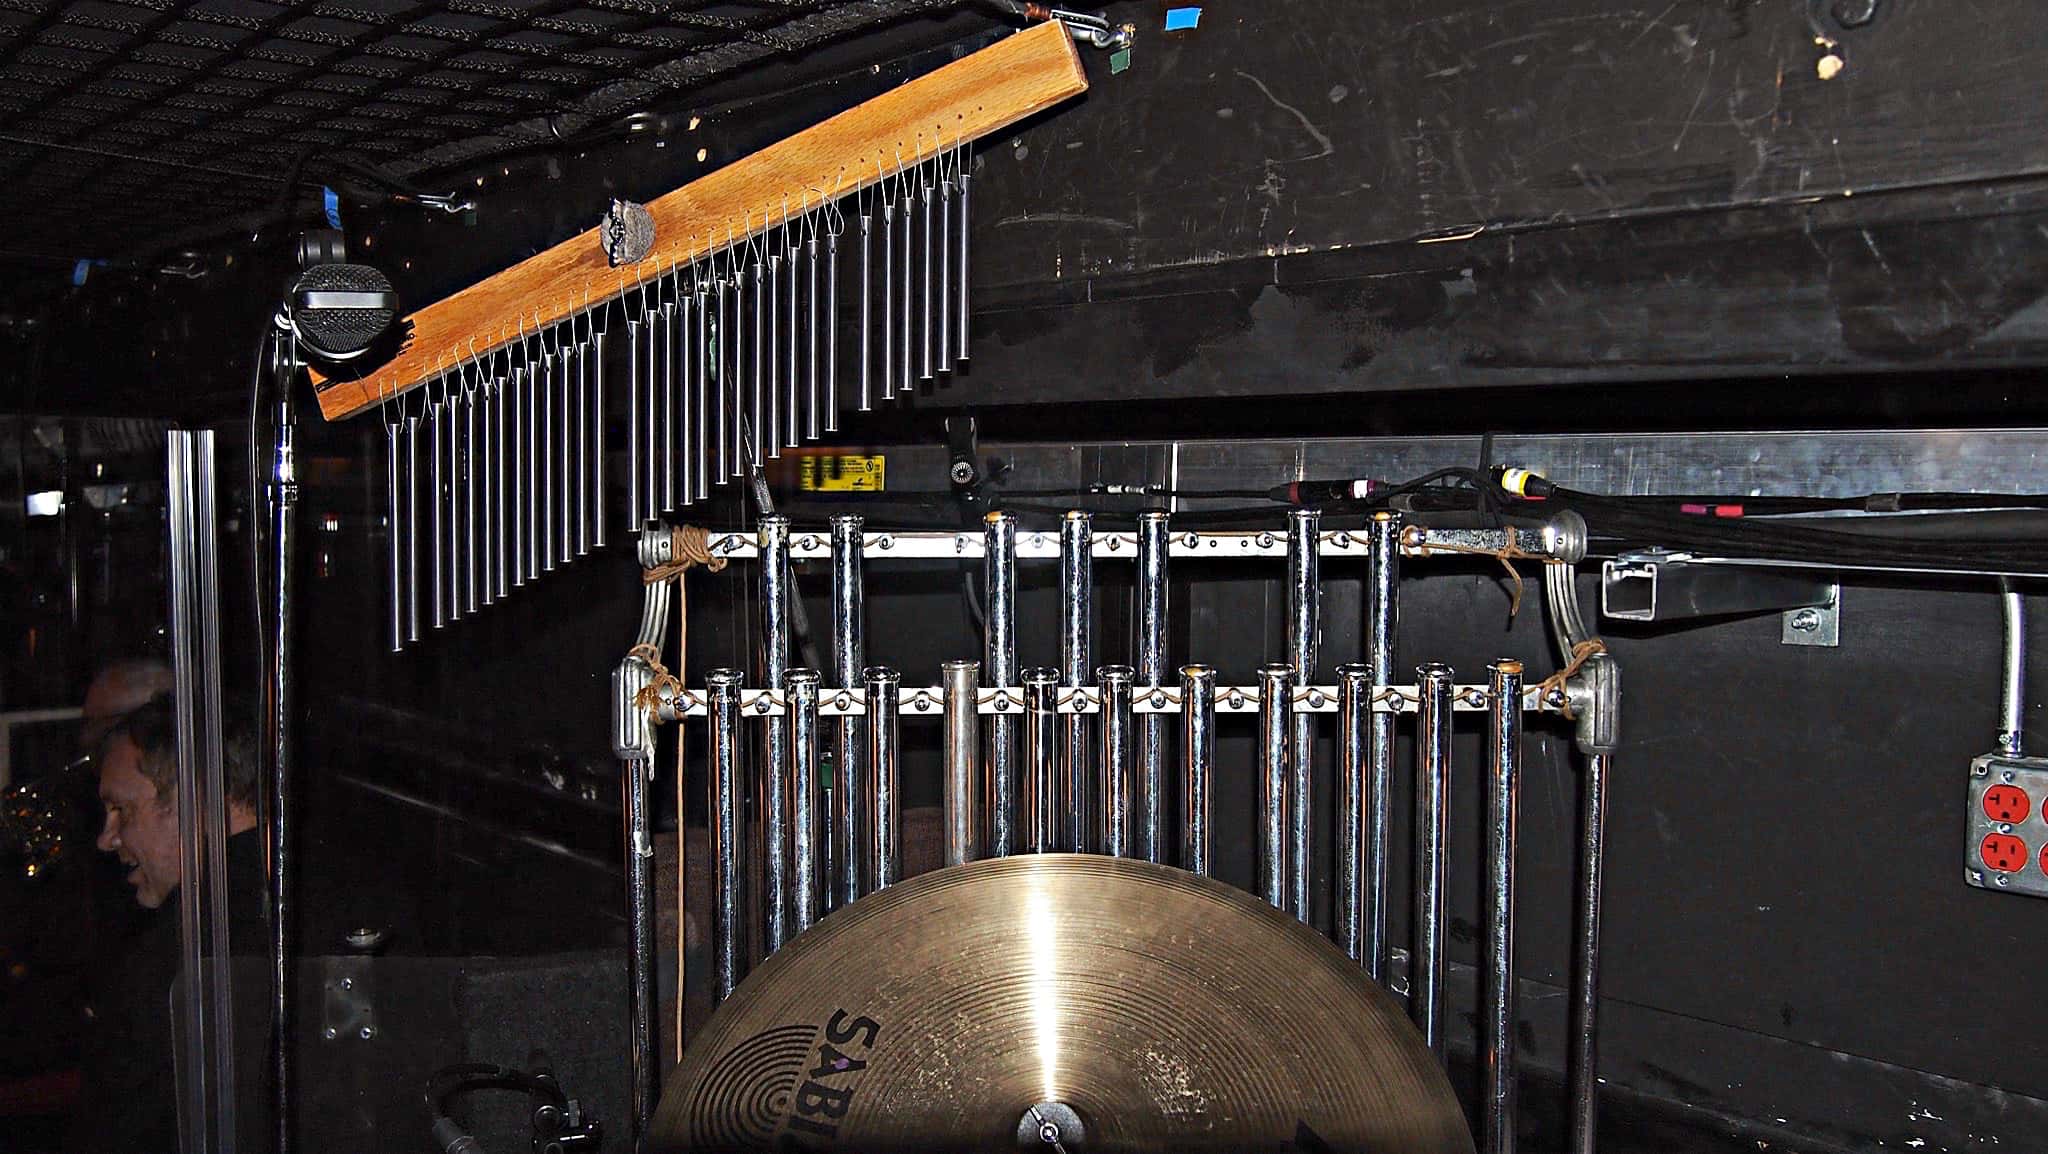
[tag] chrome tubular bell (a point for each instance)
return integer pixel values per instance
(1026, 768)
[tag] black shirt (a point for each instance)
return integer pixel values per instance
(129, 1101)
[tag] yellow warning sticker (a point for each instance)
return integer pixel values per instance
(841, 474)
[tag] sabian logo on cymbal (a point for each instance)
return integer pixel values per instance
(827, 1093)
(783, 1088)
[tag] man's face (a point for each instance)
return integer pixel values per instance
(140, 828)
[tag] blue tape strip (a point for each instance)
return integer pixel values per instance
(1179, 19)
(332, 204)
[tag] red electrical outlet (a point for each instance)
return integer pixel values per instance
(2006, 803)
(2003, 852)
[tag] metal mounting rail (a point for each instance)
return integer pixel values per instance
(929, 701)
(1045, 546)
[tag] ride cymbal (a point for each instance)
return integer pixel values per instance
(1059, 1002)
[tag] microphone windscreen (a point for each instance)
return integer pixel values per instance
(339, 310)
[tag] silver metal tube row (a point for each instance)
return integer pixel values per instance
(1354, 745)
(773, 815)
(728, 907)
(999, 665)
(1497, 1012)
(1151, 548)
(1276, 748)
(807, 873)
(1117, 682)
(1040, 545)
(2012, 701)
(1198, 759)
(926, 701)
(1382, 610)
(1304, 629)
(885, 846)
(1075, 773)
(1041, 760)
(849, 769)
(1432, 828)
(960, 682)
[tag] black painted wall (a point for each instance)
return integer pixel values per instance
(1582, 215)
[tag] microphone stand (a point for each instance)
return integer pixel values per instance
(275, 596)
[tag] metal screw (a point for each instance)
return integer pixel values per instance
(369, 1032)
(1855, 13)
(2005, 775)
(348, 983)
(1806, 620)
(330, 1033)
(2004, 827)
(1977, 876)
(2001, 880)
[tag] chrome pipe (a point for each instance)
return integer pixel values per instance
(728, 881)
(2013, 697)
(1198, 757)
(849, 761)
(999, 670)
(961, 683)
(1354, 744)
(435, 425)
(1117, 682)
(885, 867)
(1432, 829)
(203, 1065)
(1276, 748)
(392, 518)
(640, 931)
(1584, 1061)
(1150, 592)
(1497, 1013)
(1077, 580)
(412, 528)
(806, 872)
(1042, 819)
(772, 817)
(1304, 631)
(1384, 573)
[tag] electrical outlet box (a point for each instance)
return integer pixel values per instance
(2006, 843)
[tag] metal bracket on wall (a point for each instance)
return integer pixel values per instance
(1659, 585)
(1815, 624)
(347, 1009)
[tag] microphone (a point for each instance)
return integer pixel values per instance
(338, 311)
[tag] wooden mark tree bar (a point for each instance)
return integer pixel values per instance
(960, 102)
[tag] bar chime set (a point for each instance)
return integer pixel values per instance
(1026, 771)
(725, 337)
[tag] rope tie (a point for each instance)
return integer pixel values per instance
(690, 546)
(1414, 537)
(663, 684)
(1555, 683)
